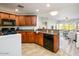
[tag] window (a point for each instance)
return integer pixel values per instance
(66, 26)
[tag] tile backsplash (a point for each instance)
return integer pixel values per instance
(20, 27)
(26, 27)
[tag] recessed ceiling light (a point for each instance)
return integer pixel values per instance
(37, 10)
(16, 10)
(47, 5)
(53, 13)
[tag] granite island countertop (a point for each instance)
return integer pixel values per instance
(54, 31)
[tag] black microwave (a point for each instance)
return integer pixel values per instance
(8, 22)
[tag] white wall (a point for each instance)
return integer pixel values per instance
(50, 22)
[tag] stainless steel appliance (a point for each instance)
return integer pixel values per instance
(8, 22)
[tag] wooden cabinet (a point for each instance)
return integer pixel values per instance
(33, 20)
(4, 16)
(12, 16)
(27, 37)
(56, 42)
(28, 20)
(36, 38)
(23, 37)
(30, 37)
(21, 20)
(39, 39)
(17, 20)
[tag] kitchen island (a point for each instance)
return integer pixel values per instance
(51, 42)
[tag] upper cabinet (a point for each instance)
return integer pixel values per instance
(31, 20)
(12, 16)
(17, 20)
(4, 16)
(26, 20)
(21, 20)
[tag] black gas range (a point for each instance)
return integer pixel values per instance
(8, 31)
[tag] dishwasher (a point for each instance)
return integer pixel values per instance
(48, 41)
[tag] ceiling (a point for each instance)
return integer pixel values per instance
(70, 10)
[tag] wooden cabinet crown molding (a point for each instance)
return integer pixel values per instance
(5, 15)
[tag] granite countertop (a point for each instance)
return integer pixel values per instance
(37, 32)
(31, 30)
(25, 30)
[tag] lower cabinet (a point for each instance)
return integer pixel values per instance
(32, 37)
(23, 37)
(56, 43)
(27, 37)
(50, 42)
(39, 38)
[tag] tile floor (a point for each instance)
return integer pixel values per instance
(31, 49)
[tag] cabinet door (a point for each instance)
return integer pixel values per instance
(56, 43)
(23, 37)
(36, 38)
(31, 37)
(33, 20)
(12, 16)
(27, 37)
(17, 20)
(21, 21)
(4, 15)
(28, 21)
(39, 39)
